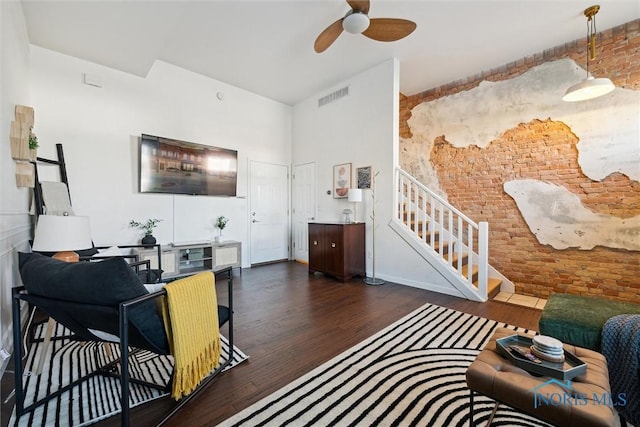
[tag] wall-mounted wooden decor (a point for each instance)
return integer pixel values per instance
(25, 174)
(20, 142)
(20, 134)
(25, 114)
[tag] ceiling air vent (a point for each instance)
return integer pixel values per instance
(340, 93)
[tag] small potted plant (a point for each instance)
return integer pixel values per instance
(33, 145)
(148, 226)
(33, 141)
(221, 223)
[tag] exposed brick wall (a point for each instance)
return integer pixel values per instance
(546, 150)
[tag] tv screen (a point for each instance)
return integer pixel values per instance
(180, 167)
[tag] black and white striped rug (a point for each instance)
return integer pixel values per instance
(99, 397)
(412, 373)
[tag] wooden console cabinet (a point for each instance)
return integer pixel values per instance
(337, 249)
(184, 260)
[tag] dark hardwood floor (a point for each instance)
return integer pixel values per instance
(289, 322)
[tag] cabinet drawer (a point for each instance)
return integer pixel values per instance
(227, 256)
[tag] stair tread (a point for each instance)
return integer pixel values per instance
(465, 271)
(427, 236)
(493, 286)
(465, 258)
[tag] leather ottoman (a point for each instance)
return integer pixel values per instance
(585, 401)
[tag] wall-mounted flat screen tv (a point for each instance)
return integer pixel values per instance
(180, 167)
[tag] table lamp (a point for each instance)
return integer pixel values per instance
(62, 234)
(355, 196)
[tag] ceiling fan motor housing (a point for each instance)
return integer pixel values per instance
(355, 22)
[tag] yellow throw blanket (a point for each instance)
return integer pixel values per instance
(193, 330)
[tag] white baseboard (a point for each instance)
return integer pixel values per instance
(423, 285)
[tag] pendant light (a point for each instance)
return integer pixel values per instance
(590, 87)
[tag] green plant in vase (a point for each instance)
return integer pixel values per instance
(221, 223)
(33, 145)
(148, 226)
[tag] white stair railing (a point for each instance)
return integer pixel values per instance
(457, 241)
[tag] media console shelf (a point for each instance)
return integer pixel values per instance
(183, 260)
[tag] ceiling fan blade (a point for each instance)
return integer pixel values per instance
(328, 36)
(359, 5)
(389, 29)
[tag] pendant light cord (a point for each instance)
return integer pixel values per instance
(591, 39)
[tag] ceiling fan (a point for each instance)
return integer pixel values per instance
(357, 21)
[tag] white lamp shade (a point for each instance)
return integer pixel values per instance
(354, 195)
(56, 233)
(588, 89)
(355, 23)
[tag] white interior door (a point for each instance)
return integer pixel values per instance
(269, 212)
(304, 208)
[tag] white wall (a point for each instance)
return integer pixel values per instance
(15, 228)
(362, 129)
(99, 129)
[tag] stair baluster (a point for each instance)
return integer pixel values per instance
(458, 241)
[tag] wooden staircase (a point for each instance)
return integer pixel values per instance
(454, 245)
(421, 228)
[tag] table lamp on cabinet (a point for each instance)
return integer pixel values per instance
(355, 196)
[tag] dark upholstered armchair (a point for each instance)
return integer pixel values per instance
(104, 296)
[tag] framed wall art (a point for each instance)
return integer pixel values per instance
(363, 176)
(341, 180)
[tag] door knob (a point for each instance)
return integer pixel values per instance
(255, 220)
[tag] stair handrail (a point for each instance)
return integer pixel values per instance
(436, 196)
(482, 230)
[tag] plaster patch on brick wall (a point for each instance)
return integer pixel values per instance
(417, 165)
(608, 127)
(558, 218)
